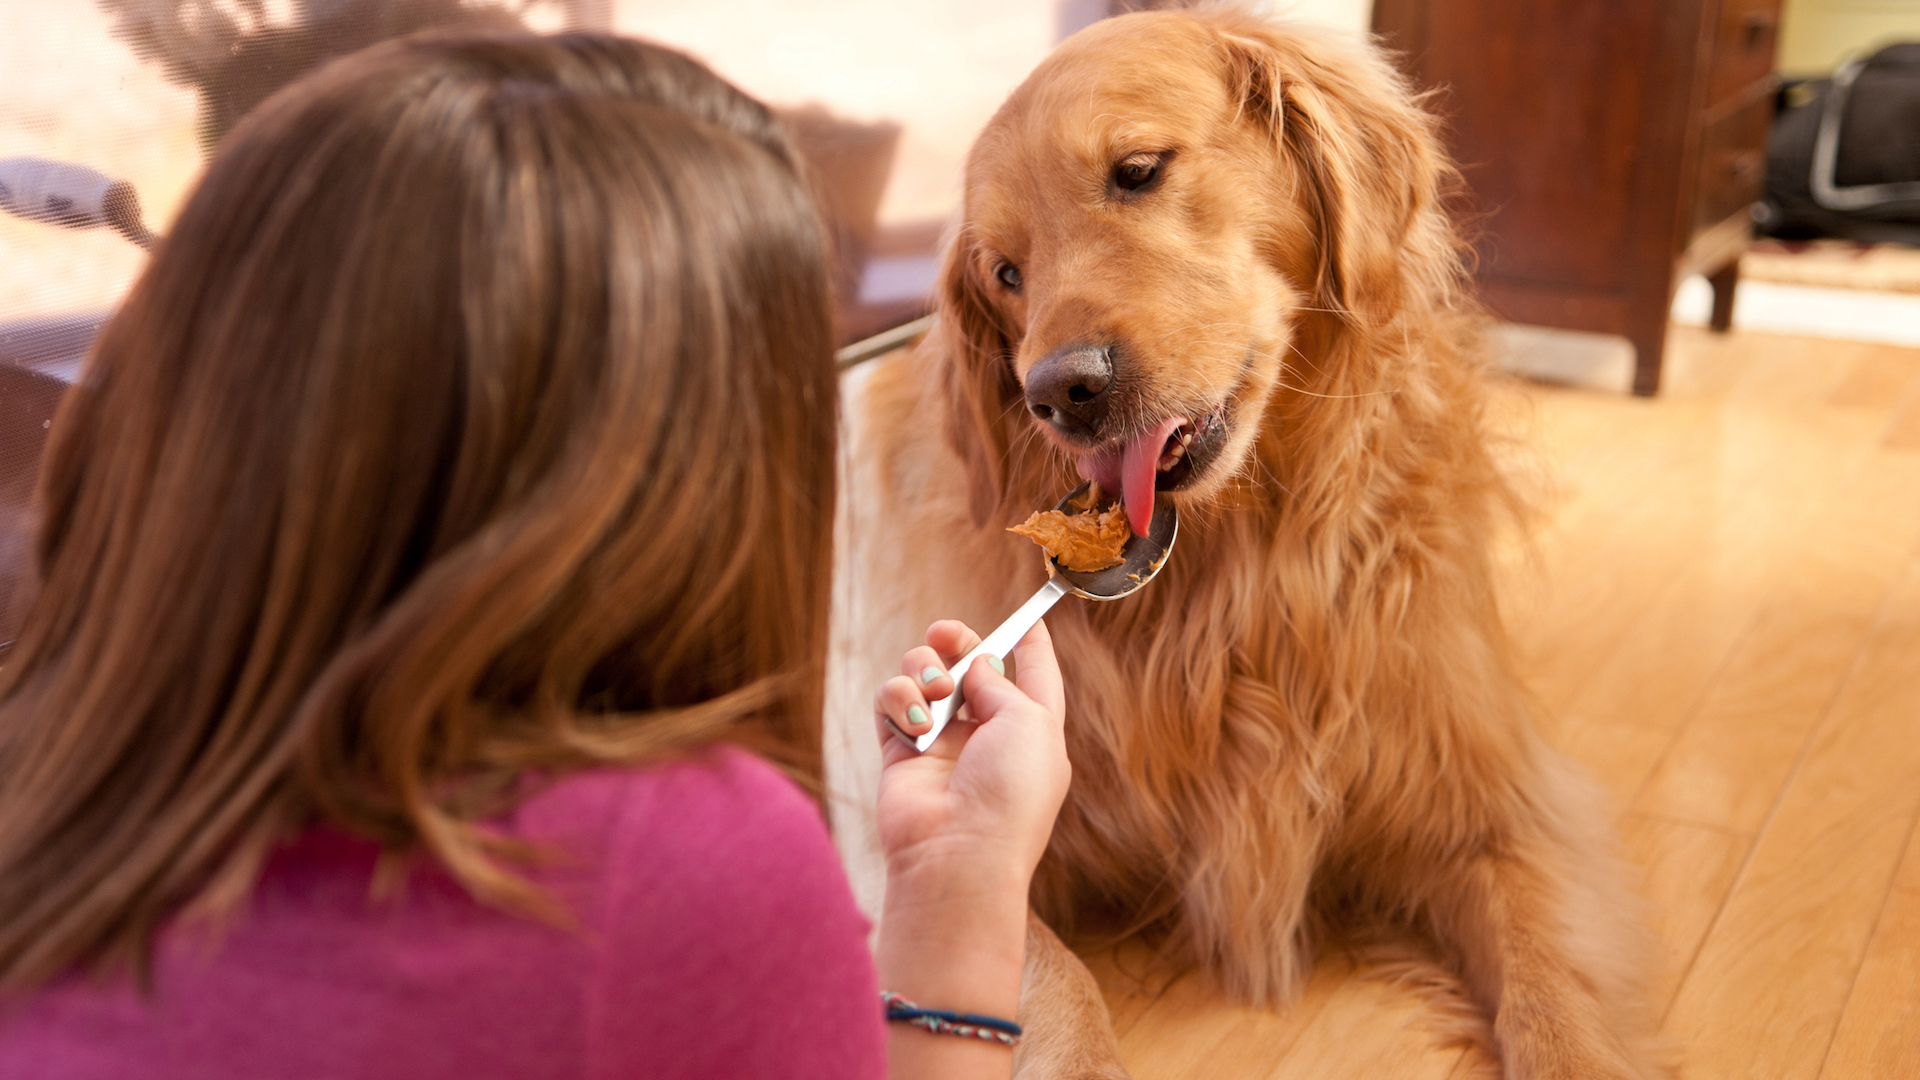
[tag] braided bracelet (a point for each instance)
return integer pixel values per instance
(942, 1022)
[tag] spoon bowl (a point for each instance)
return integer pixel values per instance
(1141, 559)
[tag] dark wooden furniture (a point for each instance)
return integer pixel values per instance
(1611, 147)
(848, 164)
(39, 359)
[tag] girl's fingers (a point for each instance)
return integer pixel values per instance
(928, 672)
(1037, 670)
(989, 693)
(951, 639)
(925, 676)
(899, 700)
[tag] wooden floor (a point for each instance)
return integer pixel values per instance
(1721, 616)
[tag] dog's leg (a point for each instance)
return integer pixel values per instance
(1549, 942)
(1068, 1034)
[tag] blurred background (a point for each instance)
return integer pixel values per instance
(1586, 128)
(119, 86)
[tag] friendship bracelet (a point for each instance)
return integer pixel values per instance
(942, 1022)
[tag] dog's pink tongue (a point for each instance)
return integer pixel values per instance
(1131, 471)
(1102, 469)
(1138, 469)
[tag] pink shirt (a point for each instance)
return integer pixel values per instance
(721, 941)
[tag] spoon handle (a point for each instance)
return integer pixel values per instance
(999, 643)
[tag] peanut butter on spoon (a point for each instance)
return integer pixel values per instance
(1084, 541)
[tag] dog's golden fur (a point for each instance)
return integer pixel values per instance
(1311, 718)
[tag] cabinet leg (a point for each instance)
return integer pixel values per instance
(1649, 338)
(1723, 282)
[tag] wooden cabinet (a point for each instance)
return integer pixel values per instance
(1610, 146)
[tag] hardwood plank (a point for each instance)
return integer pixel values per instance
(1765, 994)
(1701, 365)
(1877, 378)
(1787, 369)
(1612, 551)
(1772, 468)
(1687, 870)
(1903, 431)
(1540, 425)
(1768, 476)
(1128, 980)
(1344, 1024)
(1879, 1034)
(1728, 764)
(1619, 755)
(1369, 1029)
(1190, 1030)
(1694, 497)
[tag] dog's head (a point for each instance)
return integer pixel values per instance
(1165, 226)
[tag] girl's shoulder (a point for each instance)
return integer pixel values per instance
(715, 842)
(727, 936)
(723, 803)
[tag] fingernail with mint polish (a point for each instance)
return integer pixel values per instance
(929, 673)
(916, 716)
(998, 667)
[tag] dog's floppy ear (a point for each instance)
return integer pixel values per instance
(979, 384)
(1370, 156)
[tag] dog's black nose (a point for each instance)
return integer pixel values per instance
(1069, 389)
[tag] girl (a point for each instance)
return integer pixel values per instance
(426, 668)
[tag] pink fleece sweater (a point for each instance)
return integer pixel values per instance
(721, 941)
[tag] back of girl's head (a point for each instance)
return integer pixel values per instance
(473, 423)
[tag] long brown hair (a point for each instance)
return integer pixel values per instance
(474, 423)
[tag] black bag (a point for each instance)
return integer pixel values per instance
(1843, 158)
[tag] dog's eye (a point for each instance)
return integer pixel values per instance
(1136, 172)
(1008, 275)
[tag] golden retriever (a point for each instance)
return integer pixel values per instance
(1204, 258)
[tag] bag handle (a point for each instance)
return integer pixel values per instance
(1826, 156)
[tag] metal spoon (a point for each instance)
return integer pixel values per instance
(1143, 557)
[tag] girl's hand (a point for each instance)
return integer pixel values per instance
(984, 797)
(963, 826)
